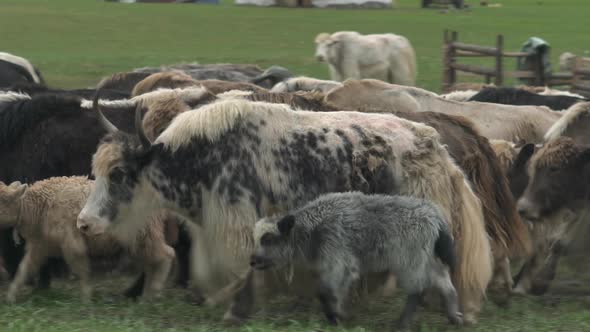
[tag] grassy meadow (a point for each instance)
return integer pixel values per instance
(76, 42)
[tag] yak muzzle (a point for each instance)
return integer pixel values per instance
(90, 225)
(260, 263)
(526, 209)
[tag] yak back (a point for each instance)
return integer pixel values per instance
(476, 158)
(33, 89)
(514, 96)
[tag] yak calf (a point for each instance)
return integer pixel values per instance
(45, 215)
(343, 235)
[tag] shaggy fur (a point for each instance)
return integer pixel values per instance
(45, 216)
(555, 154)
(164, 80)
(469, 86)
(124, 81)
(418, 158)
(461, 95)
(493, 121)
(33, 89)
(536, 273)
(342, 236)
(512, 96)
(574, 124)
(161, 111)
(17, 112)
(505, 152)
(10, 96)
(546, 91)
(217, 86)
(474, 155)
(303, 83)
(56, 138)
(24, 63)
(163, 105)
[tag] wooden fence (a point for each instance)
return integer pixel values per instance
(453, 49)
(581, 79)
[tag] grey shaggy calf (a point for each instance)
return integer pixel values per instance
(342, 236)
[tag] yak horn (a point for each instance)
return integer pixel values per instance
(145, 142)
(106, 124)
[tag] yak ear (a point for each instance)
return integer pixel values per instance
(526, 152)
(322, 37)
(286, 224)
(20, 191)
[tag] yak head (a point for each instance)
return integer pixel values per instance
(10, 206)
(326, 47)
(559, 175)
(121, 195)
(272, 242)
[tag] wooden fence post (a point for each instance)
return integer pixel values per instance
(452, 71)
(540, 79)
(446, 80)
(499, 79)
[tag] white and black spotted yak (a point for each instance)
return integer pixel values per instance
(342, 236)
(231, 162)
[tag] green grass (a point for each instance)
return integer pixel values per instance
(59, 310)
(75, 42)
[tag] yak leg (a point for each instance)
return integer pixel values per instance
(471, 300)
(335, 74)
(45, 275)
(442, 281)
(350, 69)
(136, 289)
(334, 286)
(27, 268)
(182, 250)
(524, 278)
(407, 315)
(244, 299)
(157, 271)
(543, 279)
(78, 262)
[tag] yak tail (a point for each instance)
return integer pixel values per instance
(443, 248)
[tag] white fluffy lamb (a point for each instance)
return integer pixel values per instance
(387, 57)
(45, 215)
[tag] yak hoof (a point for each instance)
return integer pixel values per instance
(456, 319)
(539, 289)
(469, 320)
(231, 319)
(195, 298)
(519, 290)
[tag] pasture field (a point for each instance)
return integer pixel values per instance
(76, 42)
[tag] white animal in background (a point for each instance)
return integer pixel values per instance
(387, 57)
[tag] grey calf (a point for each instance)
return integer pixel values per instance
(343, 235)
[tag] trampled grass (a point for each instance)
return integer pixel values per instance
(59, 310)
(76, 42)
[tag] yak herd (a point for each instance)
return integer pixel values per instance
(237, 181)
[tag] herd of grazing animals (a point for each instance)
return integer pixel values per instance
(226, 171)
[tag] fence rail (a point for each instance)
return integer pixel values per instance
(453, 50)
